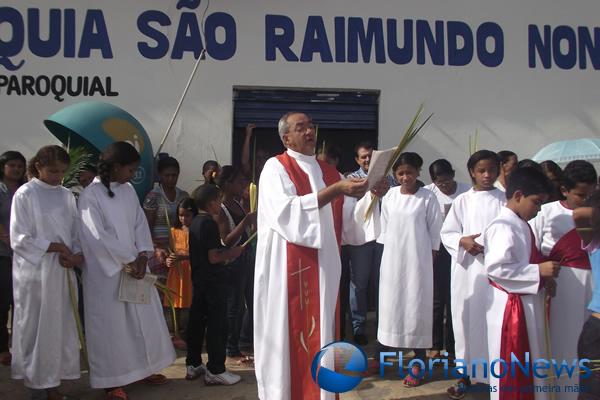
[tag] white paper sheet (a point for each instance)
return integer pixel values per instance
(138, 291)
(379, 161)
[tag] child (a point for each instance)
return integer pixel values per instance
(508, 162)
(234, 225)
(468, 217)
(446, 189)
(515, 304)
(589, 340)
(43, 232)
(558, 240)
(410, 232)
(126, 341)
(208, 314)
(179, 278)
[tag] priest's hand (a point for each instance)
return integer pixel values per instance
(470, 245)
(381, 187)
(550, 286)
(353, 187)
(549, 269)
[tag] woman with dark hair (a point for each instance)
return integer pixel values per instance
(12, 176)
(160, 207)
(234, 227)
(411, 220)
(470, 214)
(446, 189)
(126, 341)
(554, 174)
(508, 163)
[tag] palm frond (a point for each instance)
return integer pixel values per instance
(80, 158)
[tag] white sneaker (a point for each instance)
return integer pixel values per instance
(194, 372)
(226, 378)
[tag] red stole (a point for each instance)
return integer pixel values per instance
(303, 288)
(515, 339)
(568, 251)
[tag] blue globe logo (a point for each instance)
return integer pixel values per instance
(353, 361)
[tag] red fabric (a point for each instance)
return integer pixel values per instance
(568, 251)
(303, 289)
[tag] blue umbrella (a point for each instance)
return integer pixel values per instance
(569, 150)
(94, 125)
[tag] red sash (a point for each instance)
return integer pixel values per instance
(568, 251)
(515, 339)
(303, 288)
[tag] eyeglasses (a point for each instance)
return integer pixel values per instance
(302, 127)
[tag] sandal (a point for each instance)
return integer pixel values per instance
(117, 394)
(410, 381)
(459, 390)
(179, 343)
(56, 395)
(245, 361)
(155, 380)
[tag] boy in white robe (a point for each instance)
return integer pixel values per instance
(43, 233)
(126, 341)
(557, 239)
(515, 306)
(468, 217)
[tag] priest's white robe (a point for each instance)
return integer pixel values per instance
(470, 214)
(573, 292)
(283, 216)
(507, 242)
(126, 342)
(410, 230)
(45, 346)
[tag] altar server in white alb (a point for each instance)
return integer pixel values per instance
(43, 234)
(302, 216)
(411, 220)
(515, 301)
(126, 341)
(470, 214)
(558, 240)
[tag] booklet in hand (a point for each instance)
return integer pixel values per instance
(138, 291)
(377, 167)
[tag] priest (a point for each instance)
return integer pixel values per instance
(305, 211)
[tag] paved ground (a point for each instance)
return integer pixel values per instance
(374, 387)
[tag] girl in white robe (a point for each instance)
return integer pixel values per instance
(411, 220)
(517, 278)
(468, 217)
(43, 233)
(557, 239)
(126, 341)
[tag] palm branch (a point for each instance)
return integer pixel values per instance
(80, 158)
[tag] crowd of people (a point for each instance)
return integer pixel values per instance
(460, 271)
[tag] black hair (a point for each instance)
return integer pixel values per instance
(440, 167)
(505, 155)
(528, 163)
(187, 204)
(578, 171)
(208, 165)
(12, 155)
(550, 167)
(482, 155)
(228, 174)
(529, 181)
(206, 193)
(121, 153)
(333, 151)
(363, 145)
(167, 162)
(46, 156)
(409, 158)
(91, 168)
(594, 202)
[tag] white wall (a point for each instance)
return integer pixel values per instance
(512, 105)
